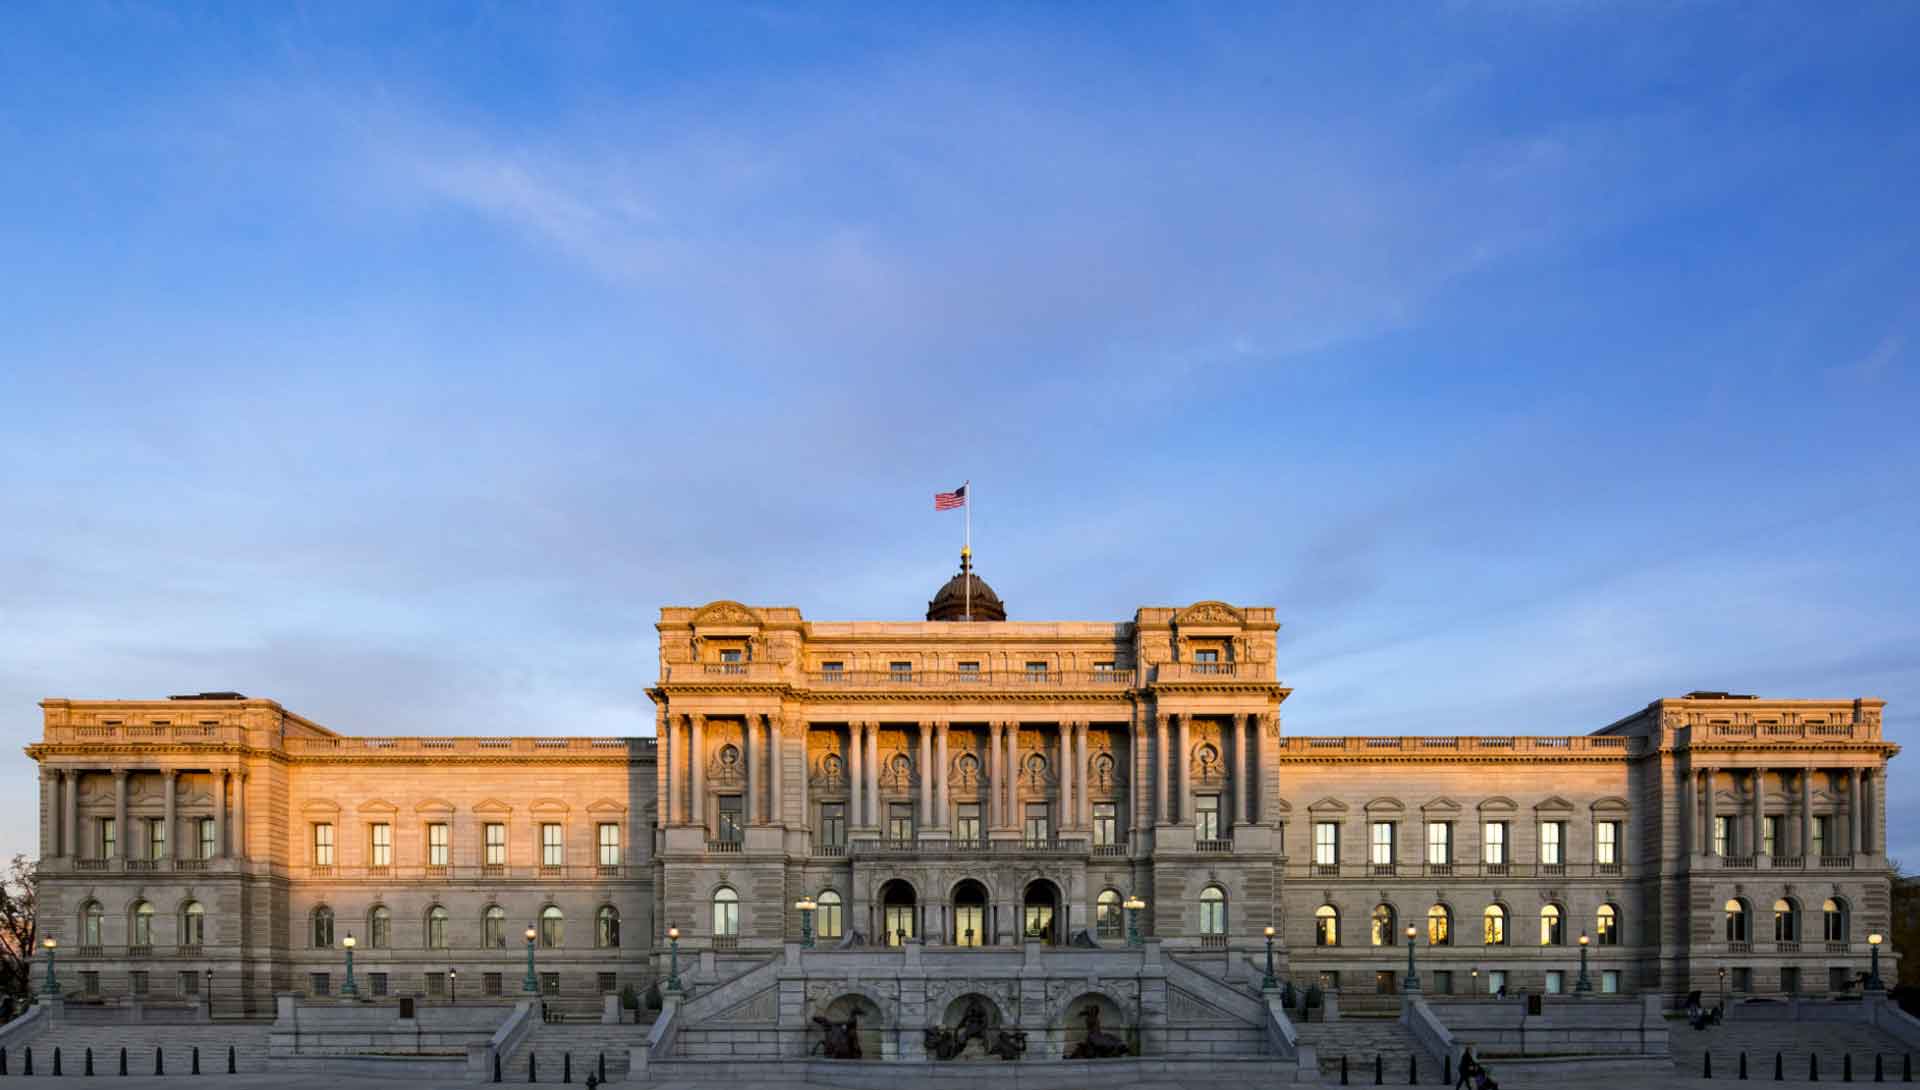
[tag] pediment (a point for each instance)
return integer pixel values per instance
(1283, 806)
(377, 806)
(1553, 805)
(1441, 805)
(726, 614)
(492, 806)
(549, 806)
(321, 807)
(433, 806)
(1210, 614)
(1498, 804)
(1386, 806)
(1612, 804)
(605, 806)
(1328, 805)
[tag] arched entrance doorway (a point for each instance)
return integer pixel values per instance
(1040, 913)
(970, 914)
(898, 913)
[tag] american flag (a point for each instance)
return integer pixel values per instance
(947, 501)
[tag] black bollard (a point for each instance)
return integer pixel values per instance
(1379, 1069)
(159, 1061)
(496, 1067)
(1446, 1069)
(89, 1059)
(530, 1068)
(1879, 1068)
(123, 1059)
(1743, 1063)
(602, 1066)
(26, 1067)
(566, 1067)
(56, 1059)
(3, 1059)
(230, 1068)
(1846, 1067)
(1813, 1067)
(1708, 1073)
(196, 1059)
(1343, 1066)
(1906, 1065)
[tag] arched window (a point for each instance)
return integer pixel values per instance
(1833, 919)
(1108, 921)
(1439, 926)
(1736, 910)
(1213, 911)
(1606, 926)
(380, 927)
(1326, 926)
(193, 924)
(1495, 923)
(726, 912)
(323, 926)
(90, 917)
(1786, 921)
(606, 927)
(1553, 930)
(436, 928)
(553, 926)
(1380, 926)
(493, 927)
(142, 924)
(828, 920)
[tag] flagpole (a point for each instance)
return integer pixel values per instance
(968, 580)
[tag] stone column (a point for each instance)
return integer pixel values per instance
(926, 775)
(1707, 844)
(1806, 814)
(856, 774)
(1160, 768)
(120, 812)
(776, 771)
(697, 773)
(662, 770)
(1759, 810)
(53, 779)
(1085, 759)
(803, 732)
(1856, 813)
(239, 815)
(873, 774)
(70, 801)
(1014, 815)
(1689, 815)
(993, 775)
(1246, 779)
(942, 805)
(169, 777)
(219, 813)
(1068, 811)
(1183, 764)
(751, 754)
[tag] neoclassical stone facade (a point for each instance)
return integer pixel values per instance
(955, 783)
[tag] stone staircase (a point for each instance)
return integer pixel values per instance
(549, 1043)
(177, 1042)
(1360, 1040)
(1795, 1041)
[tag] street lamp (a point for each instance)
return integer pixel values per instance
(531, 985)
(1268, 981)
(1874, 983)
(1723, 987)
(1583, 984)
(453, 985)
(1474, 988)
(209, 991)
(673, 970)
(806, 905)
(1133, 905)
(52, 987)
(1413, 977)
(349, 988)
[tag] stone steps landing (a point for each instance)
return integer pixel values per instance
(176, 1043)
(1794, 1041)
(1362, 1039)
(549, 1043)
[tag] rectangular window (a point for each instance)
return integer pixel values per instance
(1103, 668)
(1821, 827)
(139, 982)
(900, 821)
(733, 825)
(319, 984)
(109, 839)
(553, 844)
(549, 983)
(1382, 843)
(1326, 843)
(436, 983)
(607, 984)
(380, 845)
(1743, 981)
(490, 983)
(1494, 843)
(90, 982)
(1556, 982)
(900, 671)
(1770, 836)
(1439, 843)
(969, 671)
(833, 824)
(1036, 671)
(439, 844)
(1722, 835)
(322, 844)
(1106, 824)
(609, 844)
(206, 838)
(832, 671)
(1606, 842)
(1496, 981)
(1206, 654)
(1443, 981)
(1609, 981)
(496, 844)
(1039, 826)
(731, 654)
(1206, 817)
(378, 982)
(1553, 836)
(156, 838)
(966, 822)
(1790, 980)
(189, 983)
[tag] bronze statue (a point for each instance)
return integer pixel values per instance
(1007, 1044)
(841, 1039)
(1099, 1045)
(944, 1043)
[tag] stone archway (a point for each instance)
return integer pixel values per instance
(972, 912)
(873, 1022)
(1043, 913)
(1069, 1030)
(899, 908)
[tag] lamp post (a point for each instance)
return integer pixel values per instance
(531, 985)
(1413, 976)
(1874, 983)
(673, 966)
(209, 992)
(1583, 984)
(1268, 982)
(1133, 905)
(52, 986)
(1474, 988)
(1723, 987)
(806, 905)
(453, 985)
(349, 988)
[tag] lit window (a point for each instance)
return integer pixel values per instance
(1736, 911)
(1495, 920)
(1206, 817)
(439, 844)
(609, 844)
(1108, 921)
(493, 927)
(1439, 926)
(1833, 920)
(322, 844)
(380, 845)
(1606, 926)
(726, 912)
(1382, 843)
(1106, 824)
(1786, 921)
(606, 927)
(1495, 843)
(1439, 843)
(496, 844)
(553, 845)
(193, 924)
(1606, 842)
(1553, 930)
(143, 924)
(1326, 843)
(1326, 926)
(1213, 911)
(827, 918)
(1380, 926)
(553, 926)
(1552, 839)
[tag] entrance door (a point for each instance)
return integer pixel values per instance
(1041, 905)
(1384, 980)
(898, 913)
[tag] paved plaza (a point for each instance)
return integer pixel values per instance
(1007, 1080)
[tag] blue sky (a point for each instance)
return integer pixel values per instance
(398, 362)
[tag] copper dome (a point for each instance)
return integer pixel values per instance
(966, 590)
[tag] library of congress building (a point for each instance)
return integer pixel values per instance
(962, 780)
